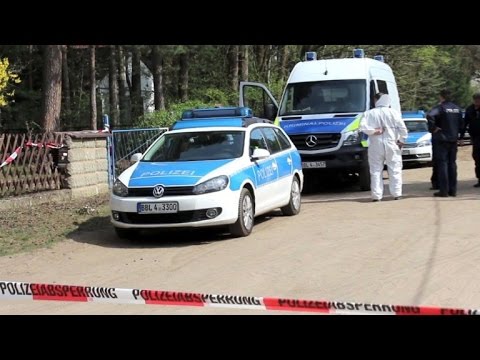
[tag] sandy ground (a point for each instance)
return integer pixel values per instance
(417, 251)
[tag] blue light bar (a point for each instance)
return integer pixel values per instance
(217, 112)
(358, 53)
(413, 114)
(310, 56)
(379, 58)
(218, 122)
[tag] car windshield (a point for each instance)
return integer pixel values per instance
(197, 146)
(324, 97)
(416, 126)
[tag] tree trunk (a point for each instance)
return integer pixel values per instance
(243, 60)
(157, 61)
(122, 86)
(93, 90)
(183, 77)
(66, 81)
(136, 94)
(233, 66)
(30, 67)
(52, 87)
(284, 64)
(113, 87)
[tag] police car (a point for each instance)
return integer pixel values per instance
(418, 147)
(214, 167)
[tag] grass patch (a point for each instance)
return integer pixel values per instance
(30, 228)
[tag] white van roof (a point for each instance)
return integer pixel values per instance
(340, 69)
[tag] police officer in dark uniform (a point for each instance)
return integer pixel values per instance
(446, 122)
(472, 122)
(434, 177)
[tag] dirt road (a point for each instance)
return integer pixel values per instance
(420, 250)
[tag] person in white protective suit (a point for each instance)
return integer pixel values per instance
(387, 134)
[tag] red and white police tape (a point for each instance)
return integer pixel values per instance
(55, 292)
(49, 145)
(12, 157)
(29, 143)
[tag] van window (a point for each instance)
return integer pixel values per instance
(382, 86)
(373, 91)
(324, 97)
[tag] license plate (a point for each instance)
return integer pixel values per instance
(405, 152)
(314, 164)
(157, 208)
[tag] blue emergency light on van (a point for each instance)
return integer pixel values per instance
(310, 56)
(379, 58)
(358, 53)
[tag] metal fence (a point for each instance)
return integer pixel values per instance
(124, 143)
(30, 163)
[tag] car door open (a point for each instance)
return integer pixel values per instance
(257, 97)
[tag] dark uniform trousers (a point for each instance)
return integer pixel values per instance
(445, 159)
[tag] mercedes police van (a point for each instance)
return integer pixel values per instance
(321, 108)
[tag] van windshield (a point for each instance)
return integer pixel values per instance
(324, 97)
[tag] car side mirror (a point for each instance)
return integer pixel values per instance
(136, 157)
(270, 111)
(259, 154)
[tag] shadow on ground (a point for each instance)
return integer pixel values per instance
(98, 231)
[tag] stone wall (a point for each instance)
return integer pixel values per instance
(87, 168)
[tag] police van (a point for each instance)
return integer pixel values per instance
(321, 108)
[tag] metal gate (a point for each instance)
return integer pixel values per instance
(123, 144)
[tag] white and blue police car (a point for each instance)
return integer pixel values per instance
(214, 167)
(418, 147)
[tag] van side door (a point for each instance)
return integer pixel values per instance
(257, 97)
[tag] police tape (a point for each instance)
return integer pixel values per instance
(69, 293)
(11, 157)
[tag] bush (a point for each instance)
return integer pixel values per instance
(166, 118)
(217, 96)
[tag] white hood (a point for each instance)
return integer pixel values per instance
(384, 101)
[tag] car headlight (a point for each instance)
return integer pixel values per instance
(216, 184)
(352, 138)
(424, 143)
(119, 189)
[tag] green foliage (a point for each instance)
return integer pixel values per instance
(7, 77)
(421, 71)
(166, 118)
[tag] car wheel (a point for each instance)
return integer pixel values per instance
(129, 234)
(244, 224)
(364, 177)
(294, 205)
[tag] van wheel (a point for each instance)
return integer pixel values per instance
(294, 205)
(364, 175)
(129, 234)
(244, 224)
